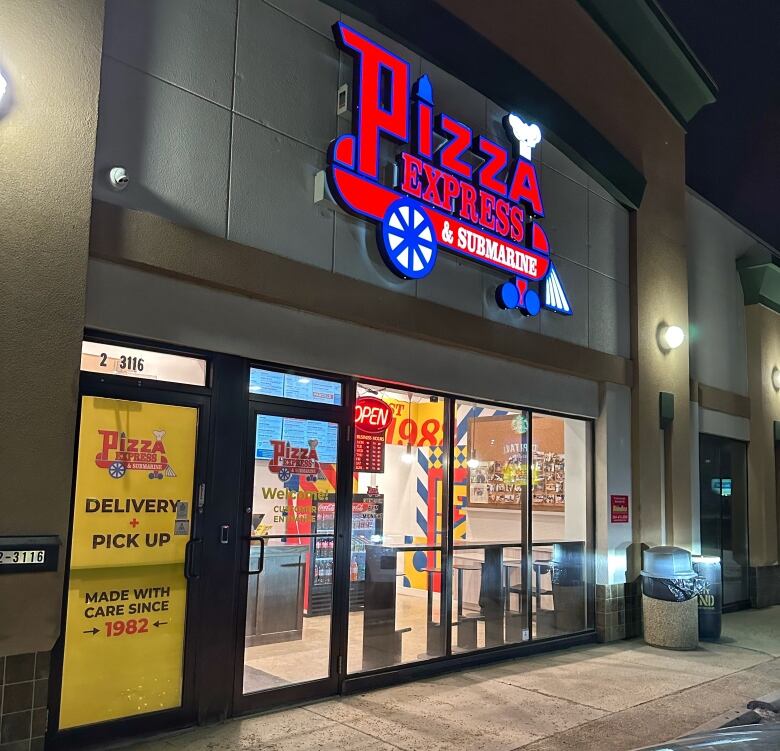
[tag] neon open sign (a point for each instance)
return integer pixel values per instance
(372, 415)
(487, 214)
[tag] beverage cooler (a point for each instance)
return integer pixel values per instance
(366, 524)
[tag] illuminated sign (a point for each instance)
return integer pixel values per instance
(486, 213)
(372, 415)
(372, 418)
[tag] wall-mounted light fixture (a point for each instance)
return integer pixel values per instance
(670, 337)
(776, 378)
(6, 94)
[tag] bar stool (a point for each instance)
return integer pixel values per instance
(515, 620)
(543, 616)
(466, 624)
(434, 634)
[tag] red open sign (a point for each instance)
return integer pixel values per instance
(372, 415)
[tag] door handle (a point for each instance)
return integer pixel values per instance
(224, 534)
(192, 559)
(261, 561)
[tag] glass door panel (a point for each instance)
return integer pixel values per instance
(290, 565)
(733, 462)
(397, 529)
(559, 511)
(490, 496)
(723, 512)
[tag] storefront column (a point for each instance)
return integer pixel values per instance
(763, 355)
(50, 56)
(661, 474)
(617, 605)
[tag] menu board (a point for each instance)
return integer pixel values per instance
(369, 452)
(268, 382)
(297, 433)
(292, 386)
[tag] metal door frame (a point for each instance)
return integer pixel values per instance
(150, 391)
(341, 414)
(745, 603)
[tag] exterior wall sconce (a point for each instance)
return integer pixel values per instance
(6, 94)
(670, 337)
(776, 378)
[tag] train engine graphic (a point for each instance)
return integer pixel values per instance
(292, 460)
(120, 453)
(439, 199)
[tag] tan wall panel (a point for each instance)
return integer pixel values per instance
(569, 52)
(763, 344)
(143, 240)
(51, 53)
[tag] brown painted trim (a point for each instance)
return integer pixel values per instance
(150, 242)
(719, 400)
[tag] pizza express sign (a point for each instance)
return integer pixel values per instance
(487, 214)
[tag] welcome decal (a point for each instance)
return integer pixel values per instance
(487, 213)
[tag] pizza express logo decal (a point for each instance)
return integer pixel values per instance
(294, 460)
(119, 453)
(487, 214)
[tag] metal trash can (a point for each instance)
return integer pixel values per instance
(709, 595)
(670, 613)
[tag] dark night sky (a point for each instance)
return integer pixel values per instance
(733, 146)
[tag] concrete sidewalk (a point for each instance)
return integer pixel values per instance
(607, 697)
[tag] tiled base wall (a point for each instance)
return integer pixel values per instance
(764, 586)
(24, 687)
(618, 611)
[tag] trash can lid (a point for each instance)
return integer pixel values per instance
(667, 562)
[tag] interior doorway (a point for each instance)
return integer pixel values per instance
(723, 510)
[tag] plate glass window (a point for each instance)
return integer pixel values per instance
(559, 521)
(490, 500)
(398, 507)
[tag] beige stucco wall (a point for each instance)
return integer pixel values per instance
(570, 57)
(763, 345)
(50, 51)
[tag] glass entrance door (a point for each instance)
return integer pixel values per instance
(290, 556)
(723, 510)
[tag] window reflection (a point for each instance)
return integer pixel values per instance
(399, 470)
(490, 498)
(292, 552)
(559, 525)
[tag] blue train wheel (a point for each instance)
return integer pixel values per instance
(407, 239)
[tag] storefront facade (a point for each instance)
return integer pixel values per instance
(369, 374)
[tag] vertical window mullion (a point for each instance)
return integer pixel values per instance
(448, 500)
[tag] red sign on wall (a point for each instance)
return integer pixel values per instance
(372, 417)
(618, 509)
